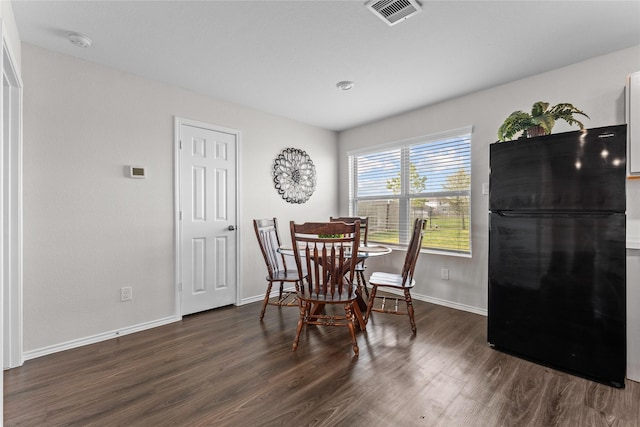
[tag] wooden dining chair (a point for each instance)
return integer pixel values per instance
(323, 250)
(277, 271)
(364, 236)
(403, 281)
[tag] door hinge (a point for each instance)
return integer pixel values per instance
(180, 215)
(179, 287)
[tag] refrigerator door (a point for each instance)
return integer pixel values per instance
(575, 171)
(557, 292)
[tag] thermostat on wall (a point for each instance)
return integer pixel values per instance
(136, 172)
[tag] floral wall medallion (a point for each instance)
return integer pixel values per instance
(294, 175)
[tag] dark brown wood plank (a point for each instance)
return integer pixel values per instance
(225, 367)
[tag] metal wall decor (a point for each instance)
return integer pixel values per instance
(294, 175)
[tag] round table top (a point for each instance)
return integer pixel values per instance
(363, 251)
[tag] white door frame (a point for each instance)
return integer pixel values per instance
(11, 187)
(178, 122)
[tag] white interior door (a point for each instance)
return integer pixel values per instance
(208, 217)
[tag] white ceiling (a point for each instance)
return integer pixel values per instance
(285, 57)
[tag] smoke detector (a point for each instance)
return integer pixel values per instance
(393, 11)
(345, 85)
(79, 39)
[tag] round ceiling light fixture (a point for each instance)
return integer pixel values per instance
(345, 85)
(79, 40)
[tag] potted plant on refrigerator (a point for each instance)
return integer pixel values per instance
(540, 121)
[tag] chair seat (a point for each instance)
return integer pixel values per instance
(285, 276)
(390, 280)
(338, 298)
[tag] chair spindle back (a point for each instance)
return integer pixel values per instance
(415, 244)
(269, 240)
(364, 225)
(328, 254)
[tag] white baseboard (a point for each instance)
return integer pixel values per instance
(32, 354)
(451, 304)
(258, 298)
(443, 302)
(419, 297)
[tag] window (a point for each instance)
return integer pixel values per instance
(427, 177)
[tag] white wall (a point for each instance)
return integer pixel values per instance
(596, 86)
(89, 230)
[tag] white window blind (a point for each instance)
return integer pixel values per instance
(427, 177)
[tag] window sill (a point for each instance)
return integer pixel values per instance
(429, 251)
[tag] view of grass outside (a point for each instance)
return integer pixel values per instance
(446, 233)
(441, 233)
(447, 221)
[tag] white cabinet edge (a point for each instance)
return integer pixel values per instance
(632, 116)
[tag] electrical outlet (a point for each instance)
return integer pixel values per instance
(126, 293)
(444, 274)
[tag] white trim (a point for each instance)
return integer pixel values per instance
(176, 218)
(251, 300)
(32, 354)
(260, 298)
(443, 302)
(451, 304)
(430, 251)
(632, 118)
(239, 229)
(447, 253)
(178, 122)
(463, 131)
(13, 267)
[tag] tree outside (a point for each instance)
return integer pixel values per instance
(459, 181)
(417, 184)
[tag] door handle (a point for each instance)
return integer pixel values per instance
(231, 228)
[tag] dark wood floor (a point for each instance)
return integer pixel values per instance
(225, 368)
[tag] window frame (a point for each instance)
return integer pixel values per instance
(405, 195)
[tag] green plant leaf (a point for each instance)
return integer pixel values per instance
(546, 121)
(541, 115)
(539, 108)
(565, 112)
(516, 122)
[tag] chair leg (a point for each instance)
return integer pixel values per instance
(266, 300)
(362, 282)
(372, 300)
(304, 312)
(348, 311)
(407, 298)
(359, 317)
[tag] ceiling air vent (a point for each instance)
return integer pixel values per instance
(393, 11)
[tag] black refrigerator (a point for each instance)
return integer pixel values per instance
(557, 256)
